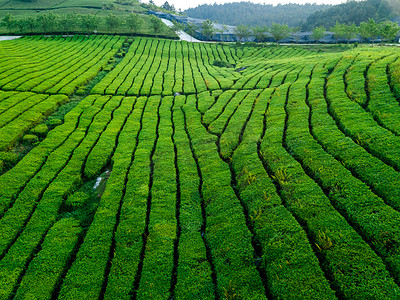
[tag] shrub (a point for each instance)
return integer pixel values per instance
(77, 200)
(40, 130)
(80, 91)
(55, 122)
(108, 68)
(222, 64)
(30, 139)
(8, 157)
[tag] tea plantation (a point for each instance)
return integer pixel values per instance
(147, 168)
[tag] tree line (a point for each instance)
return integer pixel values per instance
(307, 16)
(134, 23)
(255, 14)
(367, 31)
(85, 23)
(353, 12)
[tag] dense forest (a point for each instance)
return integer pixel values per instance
(307, 16)
(353, 12)
(255, 14)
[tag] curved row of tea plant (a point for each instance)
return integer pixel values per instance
(183, 67)
(63, 65)
(20, 112)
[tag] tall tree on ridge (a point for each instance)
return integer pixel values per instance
(279, 31)
(207, 29)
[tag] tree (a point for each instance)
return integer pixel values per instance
(373, 29)
(207, 29)
(156, 24)
(67, 22)
(177, 26)
(260, 33)
(242, 32)
(152, 5)
(389, 30)
(20, 24)
(134, 22)
(47, 22)
(338, 31)
(89, 22)
(363, 31)
(8, 22)
(318, 33)
(30, 23)
(255, 14)
(279, 31)
(218, 30)
(349, 32)
(352, 12)
(168, 6)
(190, 29)
(295, 30)
(112, 22)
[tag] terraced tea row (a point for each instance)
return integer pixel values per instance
(157, 67)
(62, 65)
(276, 181)
(54, 65)
(20, 112)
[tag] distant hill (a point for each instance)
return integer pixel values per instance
(25, 7)
(21, 10)
(255, 14)
(354, 12)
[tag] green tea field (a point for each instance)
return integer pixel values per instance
(143, 168)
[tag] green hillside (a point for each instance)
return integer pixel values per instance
(22, 12)
(354, 12)
(151, 168)
(26, 7)
(254, 14)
